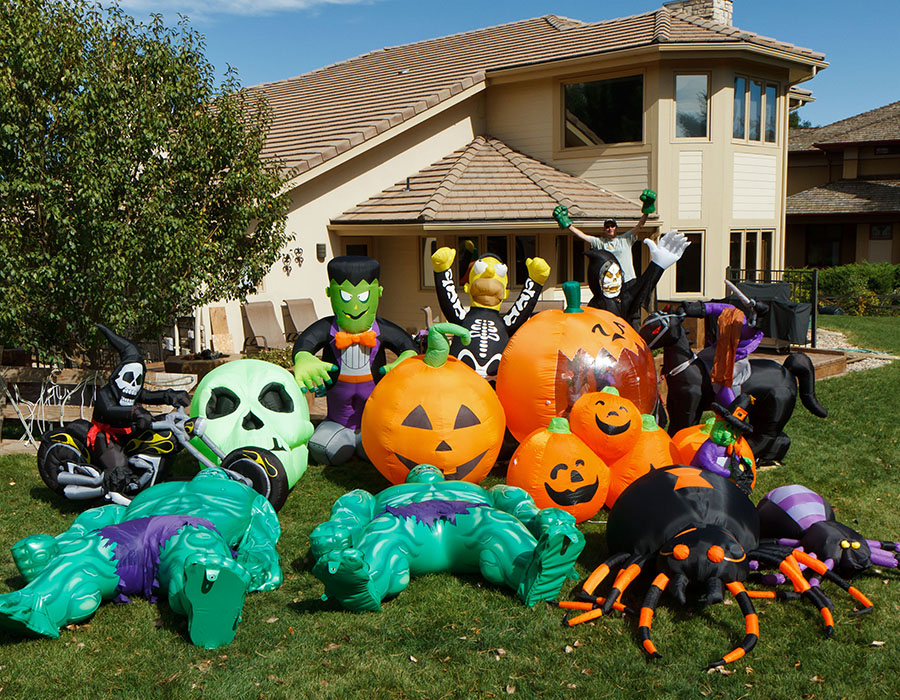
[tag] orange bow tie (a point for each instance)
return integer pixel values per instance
(344, 340)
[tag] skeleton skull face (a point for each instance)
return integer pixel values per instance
(611, 279)
(128, 380)
(250, 403)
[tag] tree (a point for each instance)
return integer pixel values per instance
(795, 122)
(132, 187)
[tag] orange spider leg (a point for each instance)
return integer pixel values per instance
(587, 605)
(790, 568)
(822, 570)
(623, 580)
(751, 620)
(646, 620)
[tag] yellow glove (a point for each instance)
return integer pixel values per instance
(442, 259)
(538, 269)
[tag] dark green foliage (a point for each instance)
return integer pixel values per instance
(856, 278)
(128, 179)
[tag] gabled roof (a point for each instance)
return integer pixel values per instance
(322, 114)
(488, 181)
(847, 197)
(881, 124)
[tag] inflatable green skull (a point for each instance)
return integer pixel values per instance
(254, 403)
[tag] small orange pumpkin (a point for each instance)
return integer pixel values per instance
(652, 450)
(559, 355)
(610, 424)
(560, 471)
(688, 440)
(433, 409)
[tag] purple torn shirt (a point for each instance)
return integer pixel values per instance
(138, 544)
(429, 512)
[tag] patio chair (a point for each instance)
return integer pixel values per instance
(264, 330)
(302, 314)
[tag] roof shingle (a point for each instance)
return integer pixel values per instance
(847, 197)
(881, 124)
(321, 114)
(488, 181)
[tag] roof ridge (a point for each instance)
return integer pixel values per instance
(869, 113)
(662, 25)
(521, 163)
(436, 201)
(737, 32)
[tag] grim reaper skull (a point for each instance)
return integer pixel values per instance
(128, 380)
(250, 403)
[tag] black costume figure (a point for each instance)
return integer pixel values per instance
(631, 296)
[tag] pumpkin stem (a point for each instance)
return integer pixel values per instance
(438, 348)
(558, 425)
(572, 292)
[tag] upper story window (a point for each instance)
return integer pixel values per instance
(604, 111)
(755, 110)
(691, 106)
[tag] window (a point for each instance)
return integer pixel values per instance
(689, 270)
(604, 111)
(691, 106)
(561, 269)
(357, 249)
(429, 247)
(880, 232)
(751, 250)
(755, 110)
(526, 247)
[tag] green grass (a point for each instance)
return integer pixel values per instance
(456, 636)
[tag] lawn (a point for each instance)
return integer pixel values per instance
(456, 636)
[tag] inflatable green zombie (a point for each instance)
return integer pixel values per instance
(205, 542)
(372, 545)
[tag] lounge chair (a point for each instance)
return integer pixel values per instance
(302, 314)
(264, 330)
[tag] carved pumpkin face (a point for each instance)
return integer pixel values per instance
(559, 470)
(610, 424)
(558, 356)
(447, 416)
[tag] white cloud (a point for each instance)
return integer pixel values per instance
(196, 9)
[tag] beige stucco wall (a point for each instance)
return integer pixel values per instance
(316, 202)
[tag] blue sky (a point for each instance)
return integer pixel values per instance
(268, 40)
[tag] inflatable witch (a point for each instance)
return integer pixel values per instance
(353, 344)
(487, 282)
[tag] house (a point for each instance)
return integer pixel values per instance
(843, 201)
(480, 135)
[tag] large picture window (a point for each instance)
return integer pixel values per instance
(689, 269)
(604, 111)
(691, 106)
(755, 110)
(751, 251)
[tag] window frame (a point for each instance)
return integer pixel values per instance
(702, 247)
(560, 129)
(764, 238)
(764, 107)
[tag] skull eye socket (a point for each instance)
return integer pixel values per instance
(275, 398)
(222, 402)
(465, 418)
(417, 418)
(128, 376)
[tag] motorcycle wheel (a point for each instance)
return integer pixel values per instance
(58, 448)
(261, 470)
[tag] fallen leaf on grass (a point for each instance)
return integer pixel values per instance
(203, 666)
(271, 620)
(817, 679)
(332, 647)
(569, 649)
(510, 689)
(877, 644)
(721, 670)
(571, 686)
(413, 659)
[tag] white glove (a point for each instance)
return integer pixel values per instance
(669, 249)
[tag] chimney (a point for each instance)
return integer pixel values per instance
(719, 11)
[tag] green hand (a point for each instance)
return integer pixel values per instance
(310, 372)
(561, 214)
(648, 197)
(402, 356)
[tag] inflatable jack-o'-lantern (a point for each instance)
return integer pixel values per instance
(688, 440)
(653, 449)
(559, 470)
(433, 409)
(609, 423)
(559, 355)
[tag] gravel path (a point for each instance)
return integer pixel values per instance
(833, 340)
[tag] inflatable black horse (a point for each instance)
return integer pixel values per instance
(774, 387)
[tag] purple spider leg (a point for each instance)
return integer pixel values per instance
(882, 556)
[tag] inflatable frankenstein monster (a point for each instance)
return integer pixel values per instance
(353, 344)
(204, 542)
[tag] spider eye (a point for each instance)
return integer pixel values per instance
(681, 552)
(845, 544)
(715, 554)
(855, 545)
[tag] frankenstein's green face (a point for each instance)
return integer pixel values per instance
(354, 306)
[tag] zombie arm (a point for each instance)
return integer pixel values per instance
(349, 516)
(256, 550)
(444, 286)
(518, 503)
(538, 272)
